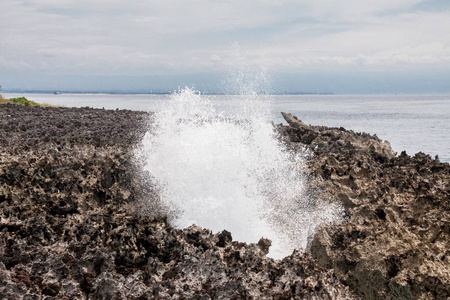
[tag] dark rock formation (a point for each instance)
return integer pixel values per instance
(80, 220)
(395, 240)
(72, 227)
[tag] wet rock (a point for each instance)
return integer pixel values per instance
(80, 220)
(395, 238)
(224, 239)
(264, 244)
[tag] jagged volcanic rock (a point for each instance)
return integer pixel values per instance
(395, 240)
(79, 219)
(73, 224)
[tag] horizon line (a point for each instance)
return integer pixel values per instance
(147, 92)
(169, 92)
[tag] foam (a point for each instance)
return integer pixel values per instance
(229, 170)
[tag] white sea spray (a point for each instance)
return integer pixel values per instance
(230, 170)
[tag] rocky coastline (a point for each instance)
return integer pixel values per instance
(73, 224)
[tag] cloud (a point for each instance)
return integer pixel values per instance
(351, 10)
(170, 37)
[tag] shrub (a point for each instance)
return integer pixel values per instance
(23, 101)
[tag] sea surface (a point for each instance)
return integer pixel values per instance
(409, 122)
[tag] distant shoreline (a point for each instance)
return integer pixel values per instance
(59, 92)
(62, 92)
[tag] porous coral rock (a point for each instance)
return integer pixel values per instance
(80, 220)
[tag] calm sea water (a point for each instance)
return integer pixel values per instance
(409, 122)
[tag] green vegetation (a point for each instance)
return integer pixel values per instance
(19, 100)
(23, 101)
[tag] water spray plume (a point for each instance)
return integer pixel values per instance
(230, 170)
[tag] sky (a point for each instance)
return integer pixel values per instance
(338, 46)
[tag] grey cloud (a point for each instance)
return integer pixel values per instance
(175, 37)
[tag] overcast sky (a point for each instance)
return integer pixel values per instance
(342, 46)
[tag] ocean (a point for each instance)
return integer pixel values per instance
(411, 123)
